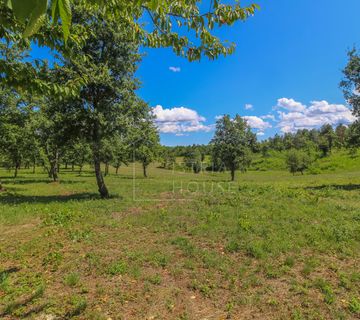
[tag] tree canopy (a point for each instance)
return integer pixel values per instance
(232, 142)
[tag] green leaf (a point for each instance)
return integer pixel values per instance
(23, 9)
(65, 15)
(34, 25)
(36, 18)
(54, 10)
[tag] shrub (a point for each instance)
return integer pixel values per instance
(297, 161)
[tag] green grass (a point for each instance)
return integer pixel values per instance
(182, 246)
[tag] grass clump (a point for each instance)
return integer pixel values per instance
(72, 279)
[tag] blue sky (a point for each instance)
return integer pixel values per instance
(290, 49)
(286, 70)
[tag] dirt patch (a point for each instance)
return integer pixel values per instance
(7, 231)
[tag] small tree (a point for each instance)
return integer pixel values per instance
(327, 138)
(167, 157)
(16, 138)
(120, 152)
(232, 143)
(297, 161)
(193, 160)
(147, 144)
(341, 133)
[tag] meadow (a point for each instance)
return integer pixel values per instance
(182, 246)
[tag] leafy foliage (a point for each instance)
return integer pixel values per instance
(297, 161)
(232, 143)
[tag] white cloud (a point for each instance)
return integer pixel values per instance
(268, 116)
(257, 123)
(290, 105)
(254, 122)
(249, 106)
(175, 69)
(299, 116)
(176, 114)
(179, 120)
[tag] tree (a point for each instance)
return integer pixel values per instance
(121, 152)
(168, 157)
(193, 160)
(232, 143)
(146, 143)
(76, 152)
(106, 154)
(351, 88)
(351, 82)
(353, 135)
(341, 132)
(16, 137)
(327, 139)
(107, 101)
(55, 130)
(297, 161)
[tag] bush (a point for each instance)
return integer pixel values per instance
(297, 161)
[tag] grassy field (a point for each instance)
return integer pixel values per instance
(181, 246)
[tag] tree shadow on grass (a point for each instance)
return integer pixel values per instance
(346, 187)
(12, 181)
(5, 273)
(23, 302)
(9, 198)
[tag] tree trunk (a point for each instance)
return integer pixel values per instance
(144, 170)
(34, 167)
(232, 171)
(54, 167)
(117, 169)
(80, 169)
(106, 169)
(72, 167)
(104, 193)
(66, 165)
(16, 170)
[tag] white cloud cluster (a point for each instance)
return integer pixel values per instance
(175, 69)
(249, 106)
(179, 120)
(298, 116)
(290, 105)
(258, 124)
(268, 117)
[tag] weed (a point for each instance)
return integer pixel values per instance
(354, 305)
(53, 259)
(289, 261)
(154, 279)
(72, 279)
(325, 287)
(232, 246)
(117, 268)
(77, 306)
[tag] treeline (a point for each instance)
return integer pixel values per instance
(301, 149)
